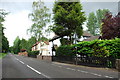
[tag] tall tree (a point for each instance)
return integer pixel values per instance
(23, 44)
(100, 14)
(16, 46)
(40, 16)
(95, 21)
(30, 43)
(4, 44)
(92, 20)
(111, 26)
(68, 19)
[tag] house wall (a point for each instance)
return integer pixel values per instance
(55, 42)
(45, 50)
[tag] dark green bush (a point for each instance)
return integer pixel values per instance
(33, 53)
(66, 50)
(85, 47)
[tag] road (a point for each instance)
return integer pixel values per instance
(14, 66)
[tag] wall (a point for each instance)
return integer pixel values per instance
(118, 64)
(46, 58)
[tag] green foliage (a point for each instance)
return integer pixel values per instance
(40, 17)
(100, 48)
(85, 47)
(66, 50)
(30, 43)
(64, 41)
(100, 51)
(91, 25)
(43, 39)
(68, 19)
(4, 44)
(33, 53)
(2, 55)
(23, 44)
(95, 21)
(16, 46)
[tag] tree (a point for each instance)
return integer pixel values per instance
(16, 46)
(111, 26)
(23, 44)
(30, 43)
(40, 17)
(4, 44)
(68, 19)
(92, 20)
(100, 14)
(95, 21)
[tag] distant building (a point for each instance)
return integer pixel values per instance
(42, 47)
(89, 37)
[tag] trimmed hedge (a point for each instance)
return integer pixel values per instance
(98, 48)
(33, 53)
(66, 50)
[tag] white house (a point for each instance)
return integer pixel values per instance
(42, 47)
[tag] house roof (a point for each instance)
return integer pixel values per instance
(86, 34)
(46, 42)
(92, 38)
(54, 38)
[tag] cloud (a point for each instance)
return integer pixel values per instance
(25, 0)
(99, 0)
(16, 25)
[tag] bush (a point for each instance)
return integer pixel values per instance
(33, 53)
(97, 48)
(66, 50)
(100, 48)
(85, 47)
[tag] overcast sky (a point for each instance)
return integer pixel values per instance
(17, 22)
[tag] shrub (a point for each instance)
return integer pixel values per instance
(66, 50)
(100, 48)
(33, 53)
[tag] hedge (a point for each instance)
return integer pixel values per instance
(66, 50)
(98, 48)
(33, 53)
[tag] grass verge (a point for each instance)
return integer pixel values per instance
(2, 55)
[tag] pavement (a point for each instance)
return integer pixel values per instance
(16, 67)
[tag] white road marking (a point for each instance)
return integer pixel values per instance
(108, 77)
(68, 68)
(94, 74)
(33, 68)
(16, 58)
(22, 62)
(78, 70)
(85, 72)
(99, 75)
(73, 69)
(59, 66)
(37, 71)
